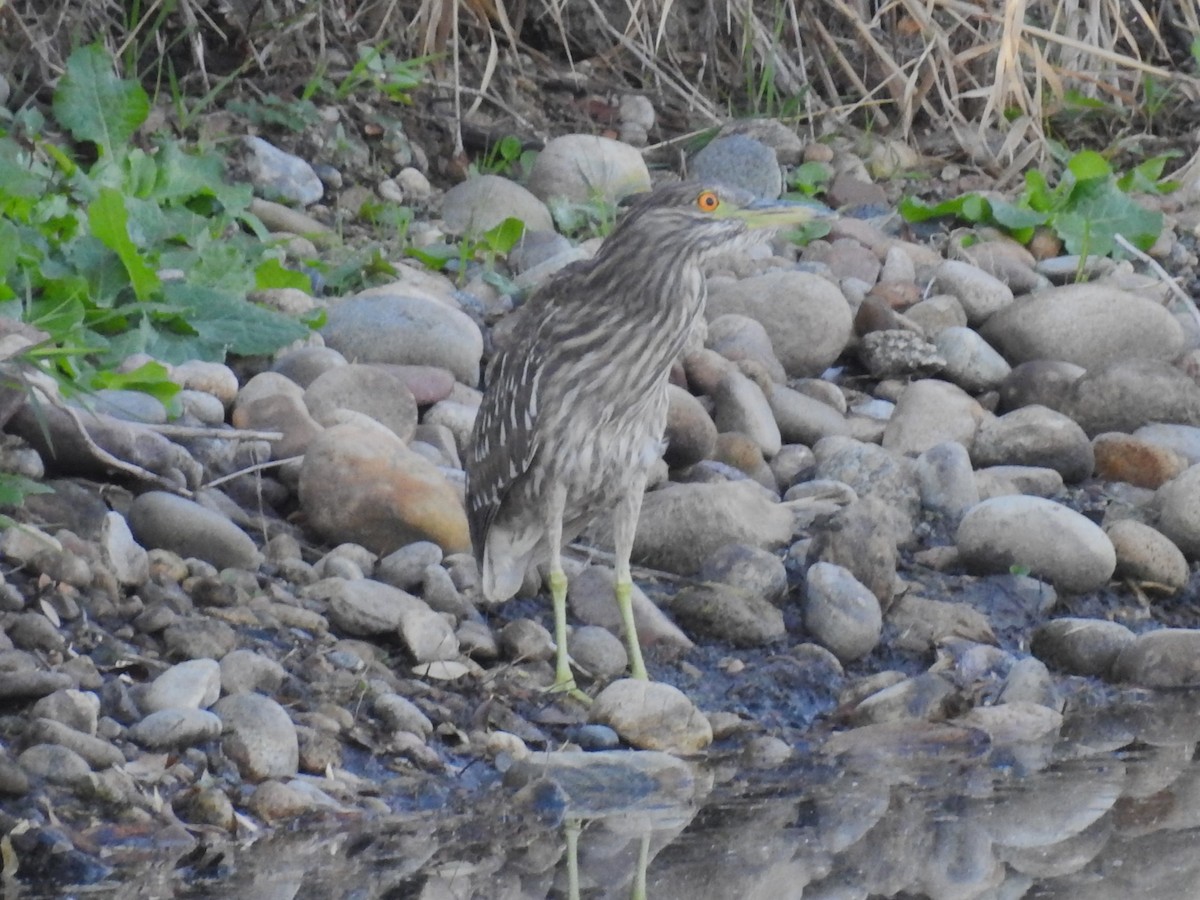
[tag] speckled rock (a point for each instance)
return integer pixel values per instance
(1167, 658)
(1145, 554)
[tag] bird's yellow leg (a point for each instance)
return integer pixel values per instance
(624, 525)
(564, 680)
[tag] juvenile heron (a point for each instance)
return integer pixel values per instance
(574, 414)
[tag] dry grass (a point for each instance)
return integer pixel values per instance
(990, 73)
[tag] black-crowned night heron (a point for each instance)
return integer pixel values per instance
(574, 413)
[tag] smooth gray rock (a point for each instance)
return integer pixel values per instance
(981, 295)
(258, 735)
(1131, 393)
(194, 684)
(1145, 554)
(175, 729)
(840, 612)
(946, 480)
(370, 390)
(281, 176)
(1035, 436)
(728, 613)
(1090, 325)
(741, 162)
(584, 168)
(483, 202)
(930, 412)
(389, 326)
(971, 362)
(166, 521)
(1167, 658)
(652, 715)
(1047, 538)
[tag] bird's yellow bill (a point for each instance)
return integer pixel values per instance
(780, 214)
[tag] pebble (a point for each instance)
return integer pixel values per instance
(591, 597)
(1126, 395)
(1146, 555)
(1047, 538)
(1081, 646)
(169, 522)
(598, 652)
(1178, 503)
(806, 316)
(194, 684)
(981, 295)
(931, 412)
(691, 434)
(401, 714)
(481, 203)
(946, 480)
(1035, 436)
(1090, 325)
(652, 715)
(281, 176)
(971, 362)
(1167, 658)
(366, 607)
(245, 670)
(389, 326)
(175, 729)
(360, 482)
(682, 525)
(585, 168)
(728, 613)
(55, 764)
(371, 390)
(258, 735)
(840, 612)
(741, 407)
(1142, 463)
(740, 162)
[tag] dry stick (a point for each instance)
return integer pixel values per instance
(1163, 275)
(249, 470)
(119, 464)
(222, 434)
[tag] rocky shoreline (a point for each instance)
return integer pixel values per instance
(268, 608)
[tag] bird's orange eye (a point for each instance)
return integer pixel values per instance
(708, 201)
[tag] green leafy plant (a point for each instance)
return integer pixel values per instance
(118, 249)
(581, 220)
(809, 179)
(1087, 209)
(506, 156)
(374, 69)
(485, 248)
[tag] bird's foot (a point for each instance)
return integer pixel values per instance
(567, 686)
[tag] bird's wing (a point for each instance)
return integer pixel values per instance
(505, 438)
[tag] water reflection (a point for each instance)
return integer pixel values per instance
(1110, 808)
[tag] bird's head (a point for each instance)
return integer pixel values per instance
(708, 218)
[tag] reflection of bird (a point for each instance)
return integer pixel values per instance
(574, 413)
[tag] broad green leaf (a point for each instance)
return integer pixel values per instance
(1146, 177)
(1015, 217)
(1099, 211)
(95, 105)
(1088, 165)
(272, 274)
(109, 223)
(503, 237)
(10, 246)
(150, 378)
(231, 323)
(15, 488)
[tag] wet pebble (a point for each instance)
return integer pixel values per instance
(727, 612)
(258, 735)
(1081, 646)
(652, 715)
(598, 651)
(840, 612)
(1167, 658)
(55, 764)
(1145, 554)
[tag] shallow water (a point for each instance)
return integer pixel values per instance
(1110, 808)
